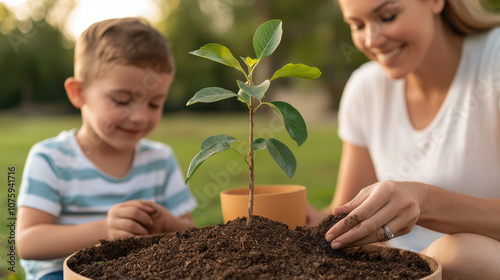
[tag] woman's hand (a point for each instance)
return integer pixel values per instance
(129, 218)
(395, 204)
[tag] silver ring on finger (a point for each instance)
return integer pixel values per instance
(388, 232)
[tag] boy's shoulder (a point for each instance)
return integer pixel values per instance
(147, 146)
(64, 143)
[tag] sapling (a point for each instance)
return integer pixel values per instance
(265, 41)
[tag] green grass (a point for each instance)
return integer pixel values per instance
(317, 159)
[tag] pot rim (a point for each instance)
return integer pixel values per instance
(436, 267)
(70, 274)
(268, 190)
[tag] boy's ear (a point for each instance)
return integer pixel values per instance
(74, 90)
(438, 6)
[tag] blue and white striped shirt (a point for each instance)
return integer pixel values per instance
(60, 180)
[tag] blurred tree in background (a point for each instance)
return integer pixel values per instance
(34, 59)
(36, 56)
(314, 33)
(493, 5)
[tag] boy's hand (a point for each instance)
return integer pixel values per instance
(130, 218)
(164, 221)
(161, 218)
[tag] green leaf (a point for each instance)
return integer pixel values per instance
(244, 97)
(212, 140)
(203, 155)
(297, 71)
(255, 91)
(249, 61)
(294, 123)
(259, 144)
(267, 38)
(211, 94)
(218, 53)
(282, 155)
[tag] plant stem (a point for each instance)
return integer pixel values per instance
(251, 165)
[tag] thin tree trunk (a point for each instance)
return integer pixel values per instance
(251, 165)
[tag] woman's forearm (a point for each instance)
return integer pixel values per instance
(450, 212)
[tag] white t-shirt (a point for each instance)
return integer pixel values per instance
(458, 151)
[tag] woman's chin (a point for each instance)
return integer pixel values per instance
(394, 74)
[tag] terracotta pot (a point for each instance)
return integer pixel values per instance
(282, 203)
(434, 265)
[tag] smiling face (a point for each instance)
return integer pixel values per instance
(398, 34)
(123, 106)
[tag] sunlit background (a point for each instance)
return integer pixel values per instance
(37, 40)
(84, 13)
(36, 56)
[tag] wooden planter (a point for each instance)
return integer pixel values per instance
(282, 203)
(436, 268)
(434, 265)
(290, 208)
(70, 274)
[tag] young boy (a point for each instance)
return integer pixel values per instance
(104, 181)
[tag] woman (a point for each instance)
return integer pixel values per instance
(420, 126)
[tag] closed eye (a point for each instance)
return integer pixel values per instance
(121, 102)
(388, 19)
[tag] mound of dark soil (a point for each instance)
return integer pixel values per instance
(264, 249)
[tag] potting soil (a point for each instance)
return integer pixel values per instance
(264, 249)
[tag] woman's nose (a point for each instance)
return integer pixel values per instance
(374, 36)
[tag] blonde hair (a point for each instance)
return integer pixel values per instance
(466, 17)
(127, 41)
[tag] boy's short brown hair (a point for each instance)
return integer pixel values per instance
(127, 41)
